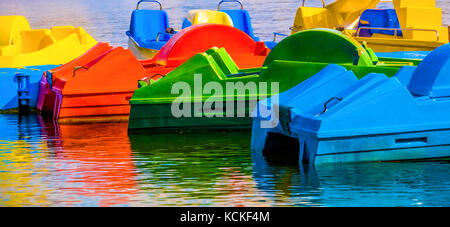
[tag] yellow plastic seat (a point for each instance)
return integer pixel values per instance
(312, 17)
(22, 46)
(209, 17)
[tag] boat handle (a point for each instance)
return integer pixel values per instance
(223, 1)
(398, 29)
(76, 68)
(141, 1)
(275, 34)
(323, 2)
(295, 29)
(158, 74)
(242, 74)
(326, 104)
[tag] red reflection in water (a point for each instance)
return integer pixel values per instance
(94, 162)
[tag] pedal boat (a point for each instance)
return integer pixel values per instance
(98, 85)
(336, 117)
(413, 25)
(150, 31)
(292, 61)
(22, 46)
(26, 53)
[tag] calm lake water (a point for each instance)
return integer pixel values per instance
(43, 164)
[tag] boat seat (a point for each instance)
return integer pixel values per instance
(36, 39)
(146, 25)
(206, 17)
(379, 18)
(241, 20)
(11, 28)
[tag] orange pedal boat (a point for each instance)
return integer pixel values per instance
(97, 86)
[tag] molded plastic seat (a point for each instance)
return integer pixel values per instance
(206, 17)
(379, 18)
(146, 25)
(241, 21)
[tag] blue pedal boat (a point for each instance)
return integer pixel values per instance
(150, 29)
(333, 117)
(20, 86)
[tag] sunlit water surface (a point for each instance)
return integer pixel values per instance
(43, 164)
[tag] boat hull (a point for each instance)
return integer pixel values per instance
(140, 52)
(368, 149)
(163, 118)
(9, 85)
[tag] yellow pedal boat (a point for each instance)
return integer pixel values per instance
(412, 25)
(22, 46)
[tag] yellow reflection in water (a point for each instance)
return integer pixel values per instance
(22, 170)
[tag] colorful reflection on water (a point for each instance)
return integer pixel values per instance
(43, 164)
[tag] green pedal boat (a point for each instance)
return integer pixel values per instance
(210, 91)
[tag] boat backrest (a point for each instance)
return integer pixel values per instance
(241, 20)
(432, 76)
(379, 18)
(321, 45)
(10, 29)
(60, 32)
(146, 24)
(207, 17)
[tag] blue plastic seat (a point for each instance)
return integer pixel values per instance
(146, 25)
(379, 18)
(241, 21)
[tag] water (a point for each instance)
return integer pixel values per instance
(43, 164)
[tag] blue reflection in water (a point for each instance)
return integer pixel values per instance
(364, 184)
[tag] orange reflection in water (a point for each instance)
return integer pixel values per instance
(94, 163)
